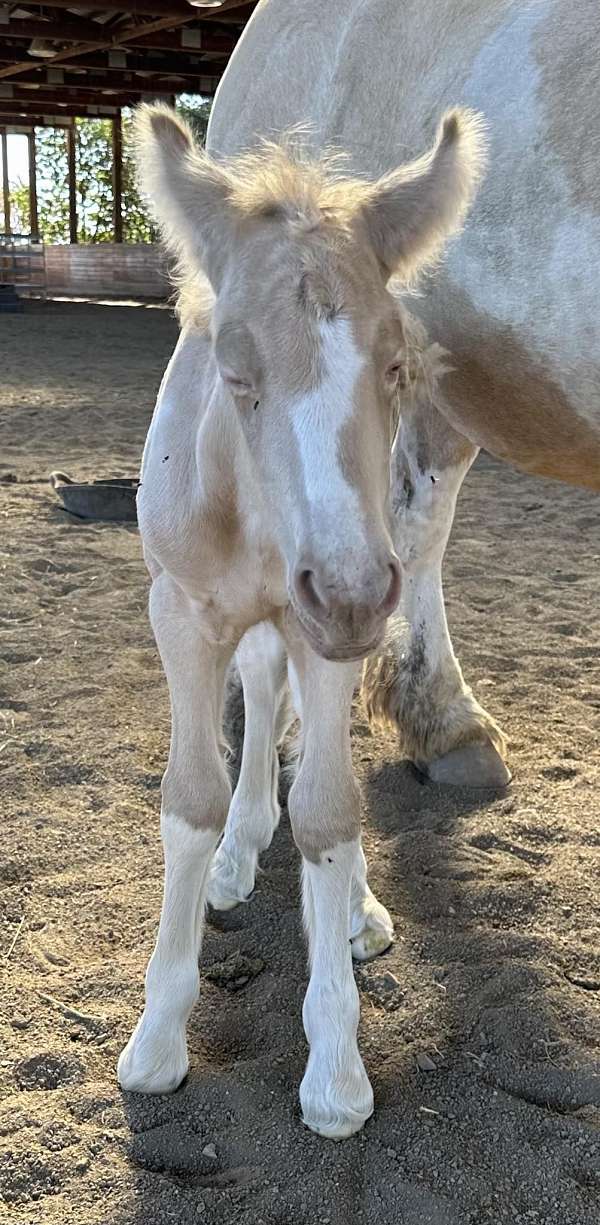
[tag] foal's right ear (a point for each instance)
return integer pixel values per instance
(189, 192)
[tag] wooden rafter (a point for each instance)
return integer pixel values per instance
(29, 122)
(232, 10)
(171, 13)
(166, 66)
(83, 106)
(99, 82)
(167, 47)
(81, 31)
(121, 96)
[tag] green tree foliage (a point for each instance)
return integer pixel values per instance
(52, 184)
(94, 181)
(19, 208)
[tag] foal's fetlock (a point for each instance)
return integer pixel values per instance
(336, 1103)
(371, 928)
(155, 1059)
(231, 878)
(442, 727)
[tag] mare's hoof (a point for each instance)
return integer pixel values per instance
(473, 765)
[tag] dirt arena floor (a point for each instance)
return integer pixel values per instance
(480, 1029)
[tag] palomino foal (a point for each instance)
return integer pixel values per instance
(265, 503)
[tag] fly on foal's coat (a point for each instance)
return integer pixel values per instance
(269, 531)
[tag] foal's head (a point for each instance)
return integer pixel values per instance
(308, 340)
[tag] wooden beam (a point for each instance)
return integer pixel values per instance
(200, 40)
(71, 30)
(189, 65)
(161, 8)
(90, 95)
(71, 92)
(27, 123)
(72, 161)
(118, 81)
(185, 39)
(33, 200)
(171, 13)
(5, 184)
(143, 8)
(117, 177)
(22, 110)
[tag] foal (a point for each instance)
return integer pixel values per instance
(265, 502)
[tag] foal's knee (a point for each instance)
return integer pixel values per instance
(323, 813)
(203, 806)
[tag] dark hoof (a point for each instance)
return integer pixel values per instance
(473, 765)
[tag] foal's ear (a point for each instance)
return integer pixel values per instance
(189, 192)
(414, 209)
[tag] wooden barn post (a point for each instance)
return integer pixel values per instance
(117, 176)
(72, 158)
(5, 187)
(33, 201)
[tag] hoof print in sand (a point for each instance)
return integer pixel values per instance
(48, 1071)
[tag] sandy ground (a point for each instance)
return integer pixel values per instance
(495, 898)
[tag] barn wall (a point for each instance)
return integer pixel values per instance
(107, 269)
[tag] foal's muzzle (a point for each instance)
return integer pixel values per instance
(344, 622)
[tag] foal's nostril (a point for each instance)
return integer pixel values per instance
(305, 586)
(392, 595)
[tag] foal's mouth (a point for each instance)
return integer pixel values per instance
(343, 652)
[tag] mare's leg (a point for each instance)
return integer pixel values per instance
(418, 684)
(324, 807)
(195, 799)
(254, 812)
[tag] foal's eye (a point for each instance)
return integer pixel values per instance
(393, 373)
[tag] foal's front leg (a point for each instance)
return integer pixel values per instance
(324, 807)
(195, 800)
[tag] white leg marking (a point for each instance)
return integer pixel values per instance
(155, 1058)
(371, 928)
(335, 1094)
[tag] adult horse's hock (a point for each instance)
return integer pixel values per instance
(266, 518)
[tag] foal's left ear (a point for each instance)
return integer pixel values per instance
(414, 209)
(189, 192)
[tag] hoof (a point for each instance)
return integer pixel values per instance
(371, 929)
(336, 1110)
(154, 1060)
(371, 943)
(473, 765)
(230, 883)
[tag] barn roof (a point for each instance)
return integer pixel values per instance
(60, 59)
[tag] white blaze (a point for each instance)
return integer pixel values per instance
(318, 419)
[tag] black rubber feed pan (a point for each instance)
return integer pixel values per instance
(111, 500)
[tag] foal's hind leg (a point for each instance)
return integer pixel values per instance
(254, 811)
(371, 928)
(418, 683)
